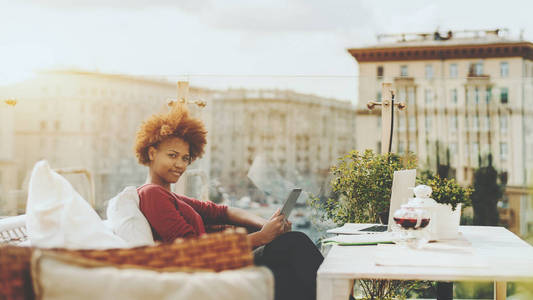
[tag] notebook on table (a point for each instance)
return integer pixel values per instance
(360, 240)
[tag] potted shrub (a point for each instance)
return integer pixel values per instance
(361, 185)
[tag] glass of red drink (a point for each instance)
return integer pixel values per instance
(410, 223)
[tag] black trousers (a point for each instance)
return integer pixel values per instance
(294, 259)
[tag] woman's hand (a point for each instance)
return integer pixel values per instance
(288, 225)
(274, 227)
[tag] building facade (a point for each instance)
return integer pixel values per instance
(467, 95)
(78, 119)
(300, 135)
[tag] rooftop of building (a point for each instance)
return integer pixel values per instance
(450, 44)
(280, 95)
(449, 38)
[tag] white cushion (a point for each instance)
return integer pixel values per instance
(57, 279)
(127, 221)
(57, 216)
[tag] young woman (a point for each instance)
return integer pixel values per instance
(167, 144)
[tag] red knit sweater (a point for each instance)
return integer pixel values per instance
(172, 216)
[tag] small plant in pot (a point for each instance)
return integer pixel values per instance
(452, 198)
(448, 191)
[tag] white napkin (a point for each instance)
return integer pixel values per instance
(447, 255)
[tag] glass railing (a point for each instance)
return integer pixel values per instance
(266, 134)
(299, 125)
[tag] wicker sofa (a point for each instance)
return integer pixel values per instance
(214, 266)
(32, 273)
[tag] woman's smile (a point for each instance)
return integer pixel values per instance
(177, 173)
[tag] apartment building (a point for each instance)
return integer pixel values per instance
(468, 93)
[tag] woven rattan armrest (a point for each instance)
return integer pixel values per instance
(213, 252)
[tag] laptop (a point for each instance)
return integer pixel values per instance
(402, 181)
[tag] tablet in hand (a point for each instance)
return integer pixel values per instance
(290, 202)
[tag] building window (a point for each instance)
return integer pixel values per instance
(487, 123)
(475, 149)
(486, 149)
(428, 96)
(412, 123)
(410, 95)
(403, 71)
(57, 125)
(401, 123)
(503, 124)
(476, 123)
(453, 71)
(43, 125)
(428, 123)
(378, 96)
(453, 152)
(488, 95)
(401, 147)
(476, 95)
(503, 151)
(476, 69)
(504, 95)
(504, 69)
(453, 123)
(379, 122)
(453, 149)
(412, 147)
(401, 95)
(479, 68)
(380, 71)
(429, 71)
(454, 96)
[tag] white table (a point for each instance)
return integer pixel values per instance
(508, 259)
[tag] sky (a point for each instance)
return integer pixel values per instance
(298, 44)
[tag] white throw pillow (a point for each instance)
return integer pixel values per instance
(127, 221)
(57, 216)
(57, 279)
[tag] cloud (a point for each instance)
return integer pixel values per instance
(244, 15)
(192, 6)
(296, 16)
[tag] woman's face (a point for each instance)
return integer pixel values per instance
(169, 160)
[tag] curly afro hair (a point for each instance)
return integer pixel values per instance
(176, 122)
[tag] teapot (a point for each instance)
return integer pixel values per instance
(426, 210)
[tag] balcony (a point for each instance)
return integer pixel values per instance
(404, 80)
(477, 79)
